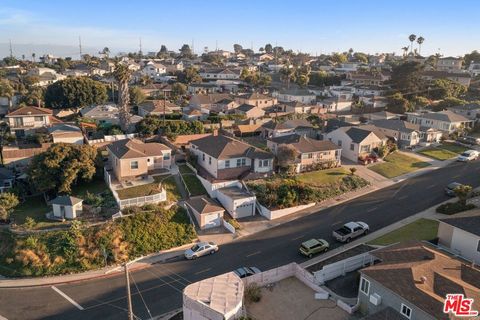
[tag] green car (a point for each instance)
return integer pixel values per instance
(314, 246)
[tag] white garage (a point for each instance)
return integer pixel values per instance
(238, 202)
(207, 212)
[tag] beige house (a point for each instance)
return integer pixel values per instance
(207, 212)
(256, 99)
(132, 159)
(250, 111)
(26, 120)
(355, 141)
(312, 153)
(157, 108)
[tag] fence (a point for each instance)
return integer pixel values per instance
(275, 214)
(336, 269)
(139, 201)
(228, 226)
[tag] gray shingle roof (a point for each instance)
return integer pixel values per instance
(470, 224)
(398, 125)
(356, 134)
(66, 200)
(447, 116)
(204, 204)
(305, 144)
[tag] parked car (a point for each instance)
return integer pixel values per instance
(314, 246)
(468, 155)
(450, 189)
(371, 158)
(201, 249)
(350, 231)
(469, 140)
(244, 272)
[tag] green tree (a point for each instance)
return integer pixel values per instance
(462, 192)
(136, 96)
(8, 201)
(360, 57)
(7, 91)
(397, 104)
(412, 38)
(61, 165)
(445, 88)
(407, 78)
(5, 138)
(189, 75)
(34, 96)
(473, 56)
(237, 48)
(337, 58)
(185, 51)
(74, 93)
(420, 41)
(268, 48)
(178, 90)
(303, 75)
(286, 155)
(288, 74)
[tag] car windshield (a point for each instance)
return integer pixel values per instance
(195, 247)
(466, 154)
(304, 247)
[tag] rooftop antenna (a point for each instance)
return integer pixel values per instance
(11, 50)
(80, 46)
(140, 46)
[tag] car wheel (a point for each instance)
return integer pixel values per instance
(194, 257)
(366, 231)
(348, 240)
(212, 252)
(310, 255)
(325, 250)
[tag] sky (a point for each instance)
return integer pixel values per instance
(372, 26)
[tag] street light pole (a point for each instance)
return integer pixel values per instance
(129, 297)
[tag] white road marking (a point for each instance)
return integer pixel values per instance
(432, 186)
(300, 237)
(402, 197)
(372, 209)
(68, 298)
(202, 271)
(252, 254)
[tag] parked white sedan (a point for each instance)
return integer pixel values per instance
(201, 249)
(468, 155)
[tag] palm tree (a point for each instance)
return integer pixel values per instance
(122, 74)
(420, 40)
(412, 38)
(5, 138)
(405, 50)
(33, 57)
(6, 90)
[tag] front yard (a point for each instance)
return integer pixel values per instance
(421, 229)
(443, 152)
(283, 192)
(194, 186)
(397, 164)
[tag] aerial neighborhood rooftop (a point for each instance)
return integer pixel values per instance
(332, 186)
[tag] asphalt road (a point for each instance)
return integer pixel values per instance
(161, 285)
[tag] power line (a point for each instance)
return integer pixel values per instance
(141, 296)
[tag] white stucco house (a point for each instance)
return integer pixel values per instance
(238, 202)
(207, 212)
(67, 207)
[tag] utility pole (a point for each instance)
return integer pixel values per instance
(129, 297)
(80, 46)
(216, 45)
(164, 109)
(140, 47)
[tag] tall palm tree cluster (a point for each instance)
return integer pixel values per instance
(122, 74)
(412, 39)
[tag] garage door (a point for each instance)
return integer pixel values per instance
(245, 210)
(212, 220)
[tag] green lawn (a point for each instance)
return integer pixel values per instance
(397, 164)
(444, 151)
(97, 185)
(193, 184)
(322, 177)
(34, 207)
(139, 191)
(173, 195)
(421, 229)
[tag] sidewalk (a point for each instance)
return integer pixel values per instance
(429, 213)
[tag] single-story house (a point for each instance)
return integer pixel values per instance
(249, 111)
(157, 107)
(66, 133)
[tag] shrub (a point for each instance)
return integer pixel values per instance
(353, 170)
(234, 223)
(29, 223)
(253, 293)
(454, 207)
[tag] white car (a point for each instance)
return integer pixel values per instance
(201, 249)
(468, 155)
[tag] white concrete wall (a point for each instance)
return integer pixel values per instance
(466, 244)
(74, 140)
(275, 214)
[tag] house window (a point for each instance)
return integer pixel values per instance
(203, 156)
(134, 165)
(38, 118)
(365, 286)
(352, 146)
(209, 160)
(244, 162)
(239, 162)
(339, 143)
(227, 163)
(406, 311)
(365, 148)
(265, 163)
(166, 156)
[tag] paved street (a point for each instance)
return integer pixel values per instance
(161, 285)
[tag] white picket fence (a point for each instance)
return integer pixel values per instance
(339, 268)
(139, 201)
